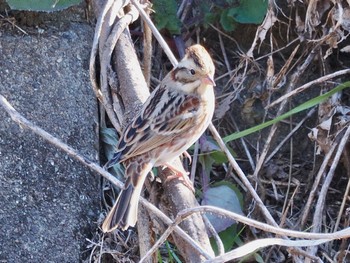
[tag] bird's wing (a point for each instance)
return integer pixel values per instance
(164, 116)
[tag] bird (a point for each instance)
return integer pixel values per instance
(175, 115)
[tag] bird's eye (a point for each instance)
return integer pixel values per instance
(192, 71)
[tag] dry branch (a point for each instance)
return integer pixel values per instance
(132, 93)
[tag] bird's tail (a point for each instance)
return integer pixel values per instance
(124, 212)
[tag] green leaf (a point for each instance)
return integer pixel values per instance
(165, 16)
(226, 21)
(210, 147)
(41, 5)
(109, 139)
(306, 105)
(249, 11)
(228, 238)
(219, 157)
(234, 188)
(172, 255)
(224, 197)
(210, 18)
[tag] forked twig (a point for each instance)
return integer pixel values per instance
(313, 239)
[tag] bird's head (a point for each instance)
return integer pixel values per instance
(195, 69)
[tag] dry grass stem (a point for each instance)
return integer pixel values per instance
(317, 180)
(290, 134)
(308, 85)
(155, 31)
(13, 24)
(317, 219)
(147, 49)
(341, 234)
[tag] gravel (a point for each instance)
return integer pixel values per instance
(50, 203)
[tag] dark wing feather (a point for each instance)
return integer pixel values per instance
(164, 116)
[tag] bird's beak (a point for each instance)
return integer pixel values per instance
(208, 80)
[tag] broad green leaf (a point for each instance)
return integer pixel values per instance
(234, 188)
(224, 197)
(306, 105)
(165, 16)
(219, 157)
(228, 238)
(209, 146)
(210, 18)
(227, 22)
(249, 11)
(109, 140)
(41, 5)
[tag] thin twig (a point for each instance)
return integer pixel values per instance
(215, 235)
(194, 161)
(147, 49)
(156, 33)
(317, 219)
(308, 85)
(314, 188)
(342, 206)
(341, 234)
(345, 159)
(244, 144)
(289, 135)
(13, 24)
(242, 176)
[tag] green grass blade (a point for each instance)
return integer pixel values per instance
(306, 105)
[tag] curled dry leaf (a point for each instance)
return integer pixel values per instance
(343, 17)
(314, 13)
(300, 25)
(326, 132)
(345, 49)
(224, 105)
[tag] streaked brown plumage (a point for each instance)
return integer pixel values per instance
(175, 115)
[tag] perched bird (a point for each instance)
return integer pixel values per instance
(175, 115)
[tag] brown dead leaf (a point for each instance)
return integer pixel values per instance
(333, 122)
(314, 13)
(224, 105)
